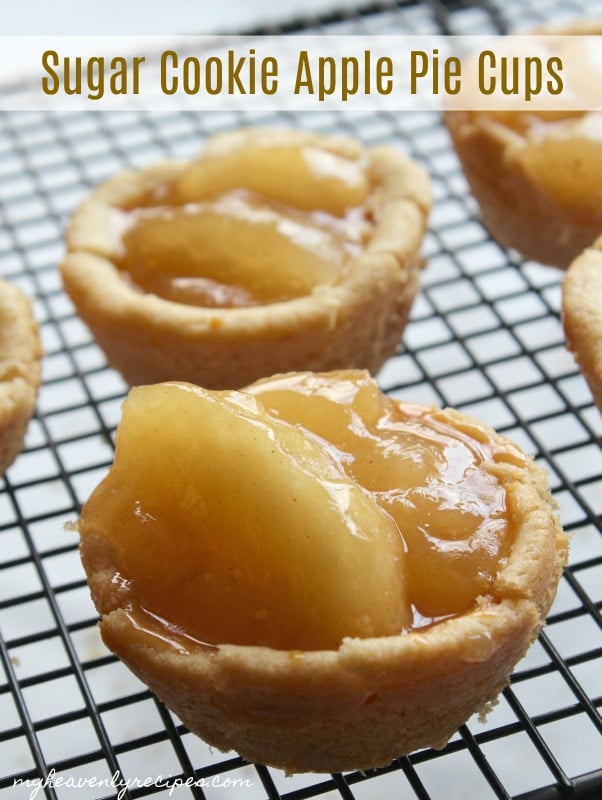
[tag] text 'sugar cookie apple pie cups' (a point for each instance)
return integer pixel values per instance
(319, 577)
(274, 250)
(537, 175)
(20, 353)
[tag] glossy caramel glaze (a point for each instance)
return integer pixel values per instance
(432, 477)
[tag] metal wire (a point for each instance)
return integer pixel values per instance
(485, 337)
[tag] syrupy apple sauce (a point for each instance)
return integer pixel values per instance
(306, 509)
(253, 223)
(432, 476)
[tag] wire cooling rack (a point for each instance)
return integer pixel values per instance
(484, 337)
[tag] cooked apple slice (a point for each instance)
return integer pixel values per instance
(299, 175)
(236, 527)
(234, 242)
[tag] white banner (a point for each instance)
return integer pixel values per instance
(301, 73)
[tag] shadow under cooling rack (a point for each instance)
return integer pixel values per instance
(484, 336)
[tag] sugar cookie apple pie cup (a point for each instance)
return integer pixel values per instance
(365, 700)
(354, 317)
(20, 354)
(537, 175)
(582, 315)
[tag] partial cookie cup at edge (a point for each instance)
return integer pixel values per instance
(515, 210)
(582, 315)
(374, 699)
(357, 322)
(20, 354)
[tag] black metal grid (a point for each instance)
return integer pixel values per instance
(485, 337)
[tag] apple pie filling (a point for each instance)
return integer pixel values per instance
(301, 511)
(251, 223)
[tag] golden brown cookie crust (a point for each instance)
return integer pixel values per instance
(374, 699)
(515, 209)
(582, 315)
(20, 353)
(357, 322)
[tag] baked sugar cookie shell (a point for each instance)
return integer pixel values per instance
(371, 700)
(357, 322)
(513, 208)
(20, 353)
(516, 210)
(582, 315)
